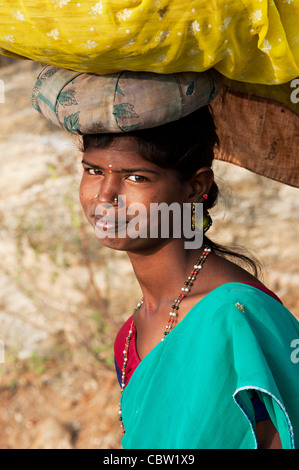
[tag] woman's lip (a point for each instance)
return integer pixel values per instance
(108, 223)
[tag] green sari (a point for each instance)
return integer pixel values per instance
(194, 389)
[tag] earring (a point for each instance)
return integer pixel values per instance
(96, 196)
(206, 219)
(193, 216)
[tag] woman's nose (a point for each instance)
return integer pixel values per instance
(108, 190)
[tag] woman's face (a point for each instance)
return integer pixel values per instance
(139, 185)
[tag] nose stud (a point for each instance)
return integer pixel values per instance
(115, 200)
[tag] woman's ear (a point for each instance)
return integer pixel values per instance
(201, 182)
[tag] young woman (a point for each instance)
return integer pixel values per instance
(205, 360)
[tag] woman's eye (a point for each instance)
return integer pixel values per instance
(137, 178)
(93, 171)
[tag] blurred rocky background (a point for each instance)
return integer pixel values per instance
(63, 297)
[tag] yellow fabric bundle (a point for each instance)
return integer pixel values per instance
(254, 41)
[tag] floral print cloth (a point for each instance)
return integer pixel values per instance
(256, 41)
(121, 102)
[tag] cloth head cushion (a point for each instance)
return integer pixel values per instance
(88, 103)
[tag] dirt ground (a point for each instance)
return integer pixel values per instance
(59, 408)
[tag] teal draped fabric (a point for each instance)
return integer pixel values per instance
(193, 390)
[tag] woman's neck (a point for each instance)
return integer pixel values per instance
(161, 273)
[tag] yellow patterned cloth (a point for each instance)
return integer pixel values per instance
(255, 41)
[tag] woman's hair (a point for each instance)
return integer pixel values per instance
(185, 145)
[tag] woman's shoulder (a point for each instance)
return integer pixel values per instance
(235, 291)
(252, 292)
(223, 271)
(243, 314)
(227, 284)
(224, 275)
(235, 303)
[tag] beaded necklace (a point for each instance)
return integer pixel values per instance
(170, 323)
